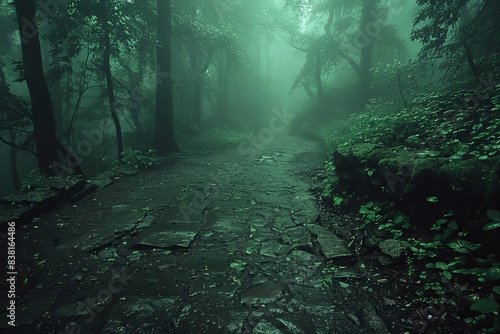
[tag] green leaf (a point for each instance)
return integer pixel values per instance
(40, 263)
(496, 289)
(463, 246)
(493, 274)
(441, 265)
(447, 274)
(399, 218)
(491, 226)
(493, 215)
(485, 305)
(441, 221)
(432, 199)
(462, 271)
(431, 254)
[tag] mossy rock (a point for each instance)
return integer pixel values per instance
(472, 173)
(406, 163)
(361, 151)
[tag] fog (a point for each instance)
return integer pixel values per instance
(256, 57)
(250, 166)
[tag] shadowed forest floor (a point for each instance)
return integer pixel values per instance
(229, 243)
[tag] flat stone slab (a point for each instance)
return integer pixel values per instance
(298, 237)
(170, 234)
(274, 249)
(208, 318)
(66, 186)
(103, 179)
(216, 287)
(37, 196)
(308, 295)
(178, 226)
(13, 213)
(213, 262)
(227, 223)
(152, 282)
(77, 304)
(146, 313)
(347, 273)
(263, 293)
(35, 307)
(111, 228)
(332, 246)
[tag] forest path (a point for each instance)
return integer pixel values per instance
(231, 243)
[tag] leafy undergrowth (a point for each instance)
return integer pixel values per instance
(458, 119)
(444, 279)
(440, 280)
(213, 140)
(205, 142)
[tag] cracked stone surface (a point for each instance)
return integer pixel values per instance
(219, 244)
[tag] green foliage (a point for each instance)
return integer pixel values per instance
(15, 110)
(398, 83)
(214, 140)
(238, 265)
(494, 215)
(142, 160)
(485, 305)
(329, 182)
(137, 159)
(385, 218)
(461, 134)
(447, 27)
(422, 250)
(463, 246)
(30, 179)
(371, 212)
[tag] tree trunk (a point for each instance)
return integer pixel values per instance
(109, 79)
(309, 92)
(222, 80)
(135, 82)
(465, 18)
(13, 160)
(196, 116)
(164, 140)
(319, 85)
(41, 104)
(366, 59)
(136, 109)
(269, 65)
(12, 139)
(57, 94)
(470, 60)
(198, 83)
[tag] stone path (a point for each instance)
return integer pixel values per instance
(232, 243)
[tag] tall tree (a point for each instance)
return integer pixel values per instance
(223, 86)
(41, 104)
(366, 58)
(457, 31)
(109, 78)
(164, 139)
(5, 94)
